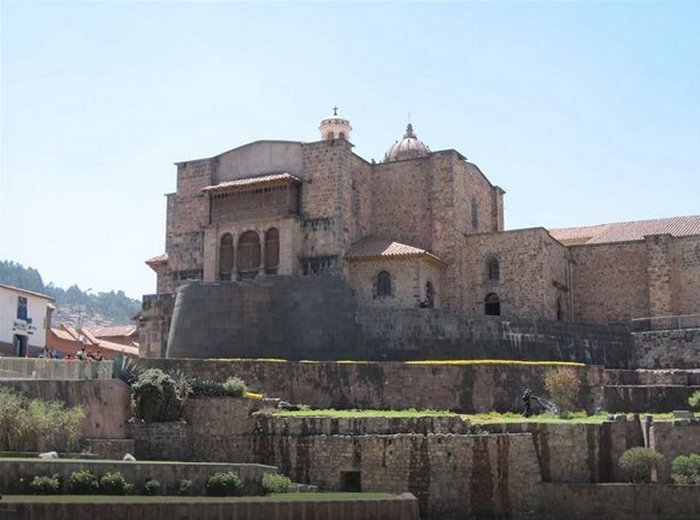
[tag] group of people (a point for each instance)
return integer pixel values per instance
(81, 354)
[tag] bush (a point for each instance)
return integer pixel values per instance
(224, 484)
(45, 485)
(235, 387)
(83, 483)
(156, 397)
(638, 464)
(185, 488)
(694, 400)
(151, 487)
(114, 483)
(562, 385)
(686, 469)
(205, 388)
(275, 483)
(33, 424)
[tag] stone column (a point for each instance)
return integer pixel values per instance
(659, 274)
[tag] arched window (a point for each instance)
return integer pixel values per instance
(248, 255)
(272, 250)
(330, 135)
(492, 305)
(384, 284)
(226, 257)
(429, 301)
(493, 269)
(475, 214)
(341, 135)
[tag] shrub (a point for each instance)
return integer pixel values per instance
(151, 487)
(206, 388)
(156, 398)
(45, 485)
(114, 483)
(562, 385)
(30, 424)
(224, 484)
(83, 483)
(275, 483)
(185, 487)
(638, 464)
(235, 387)
(686, 469)
(694, 400)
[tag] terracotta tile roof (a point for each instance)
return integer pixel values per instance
(628, 231)
(372, 248)
(252, 182)
(160, 259)
(115, 330)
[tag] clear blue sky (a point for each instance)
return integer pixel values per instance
(583, 112)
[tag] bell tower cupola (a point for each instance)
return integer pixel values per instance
(335, 127)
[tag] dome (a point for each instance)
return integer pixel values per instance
(409, 147)
(335, 127)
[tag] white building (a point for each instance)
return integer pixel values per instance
(24, 318)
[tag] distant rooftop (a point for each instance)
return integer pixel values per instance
(628, 231)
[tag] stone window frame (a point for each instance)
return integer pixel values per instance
(222, 273)
(243, 244)
(490, 302)
(383, 284)
(493, 268)
(272, 239)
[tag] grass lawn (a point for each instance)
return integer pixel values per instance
(481, 418)
(132, 499)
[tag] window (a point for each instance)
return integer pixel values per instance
(383, 284)
(248, 255)
(429, 301)
(21, 308)
(492, 305)
(341, 135)
(330, 135)
(493, 270)
(272, 250)
(319, 265)
(475, 214)
(226, 257)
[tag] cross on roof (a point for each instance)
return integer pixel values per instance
(335, 111)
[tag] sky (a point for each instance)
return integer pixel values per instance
(583, 112)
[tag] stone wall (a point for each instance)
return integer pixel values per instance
(647, 398)
(470, 388)
(161, 441)
(675, 438)
(154, 324)
(403, 507)
(169, 474)
(610, 282)
(578, 452)
(678, 348)
(287, 317)
(686, 275)
(618, 501)
(453, 476)
(531, 267)
(106, 402)
(277, 316)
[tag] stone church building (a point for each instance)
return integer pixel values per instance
(422, 229)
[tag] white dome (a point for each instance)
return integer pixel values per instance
(409, 147)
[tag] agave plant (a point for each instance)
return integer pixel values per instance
(126, 369)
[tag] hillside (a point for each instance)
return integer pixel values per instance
(73, 304)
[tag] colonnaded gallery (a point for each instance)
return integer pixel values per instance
(421, 230)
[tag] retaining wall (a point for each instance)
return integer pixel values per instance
(676, 348)
(391, 385)
(403, 507)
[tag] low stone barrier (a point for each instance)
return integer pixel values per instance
(647, 398)
(619, 501)
(169, 474)
(54, 369)
(402, 507)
